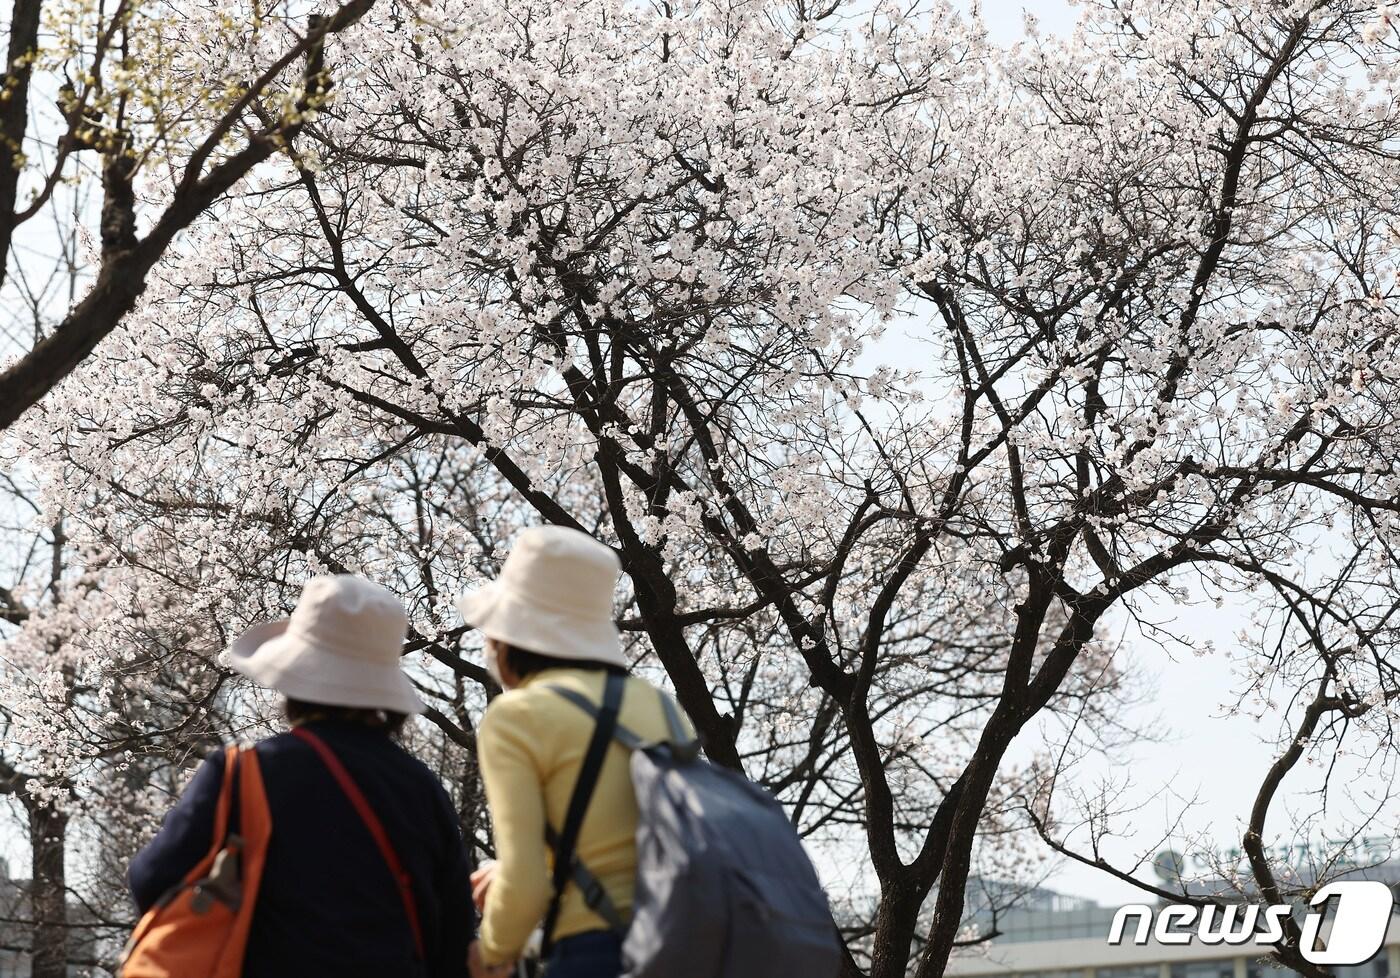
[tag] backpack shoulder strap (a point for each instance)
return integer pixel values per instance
(376, 829)
(594, 895)
(683, 746)
(603, 732)
(623, 735)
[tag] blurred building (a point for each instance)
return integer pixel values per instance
(15, 929)
(1050, 935)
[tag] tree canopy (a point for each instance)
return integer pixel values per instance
(635, 268)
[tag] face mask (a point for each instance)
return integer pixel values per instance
(492, 668)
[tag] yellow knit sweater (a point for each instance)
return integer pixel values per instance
(530, 746)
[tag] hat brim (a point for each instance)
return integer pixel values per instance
(475, 606)
(307, 670)
(507, 616)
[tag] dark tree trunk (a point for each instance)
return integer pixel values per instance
(48, 892)
(895, 927)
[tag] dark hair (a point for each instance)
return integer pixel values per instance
(523, 662)
(389, 721)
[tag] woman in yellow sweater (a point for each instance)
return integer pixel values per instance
(548, 622)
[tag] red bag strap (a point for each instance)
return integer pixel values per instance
(376, 829)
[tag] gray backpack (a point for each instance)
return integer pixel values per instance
(724, 887)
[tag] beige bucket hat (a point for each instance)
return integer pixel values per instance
(553, 596)
(340, 647)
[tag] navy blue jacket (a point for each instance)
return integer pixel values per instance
(327, 904)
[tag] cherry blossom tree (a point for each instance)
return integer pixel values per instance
(176, 103)
(634, 268)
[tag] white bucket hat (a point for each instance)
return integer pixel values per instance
(340, 647)
(554, 596)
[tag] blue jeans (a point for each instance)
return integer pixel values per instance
(592, 954)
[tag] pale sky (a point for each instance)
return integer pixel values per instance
(1005, 17)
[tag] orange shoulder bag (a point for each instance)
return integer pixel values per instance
(199, 929)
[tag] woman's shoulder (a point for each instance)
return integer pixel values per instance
(353, 748)
(544, 689)
(546, 703)
(538, 706)
(515, 706)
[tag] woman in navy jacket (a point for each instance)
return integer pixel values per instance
(328, 903)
